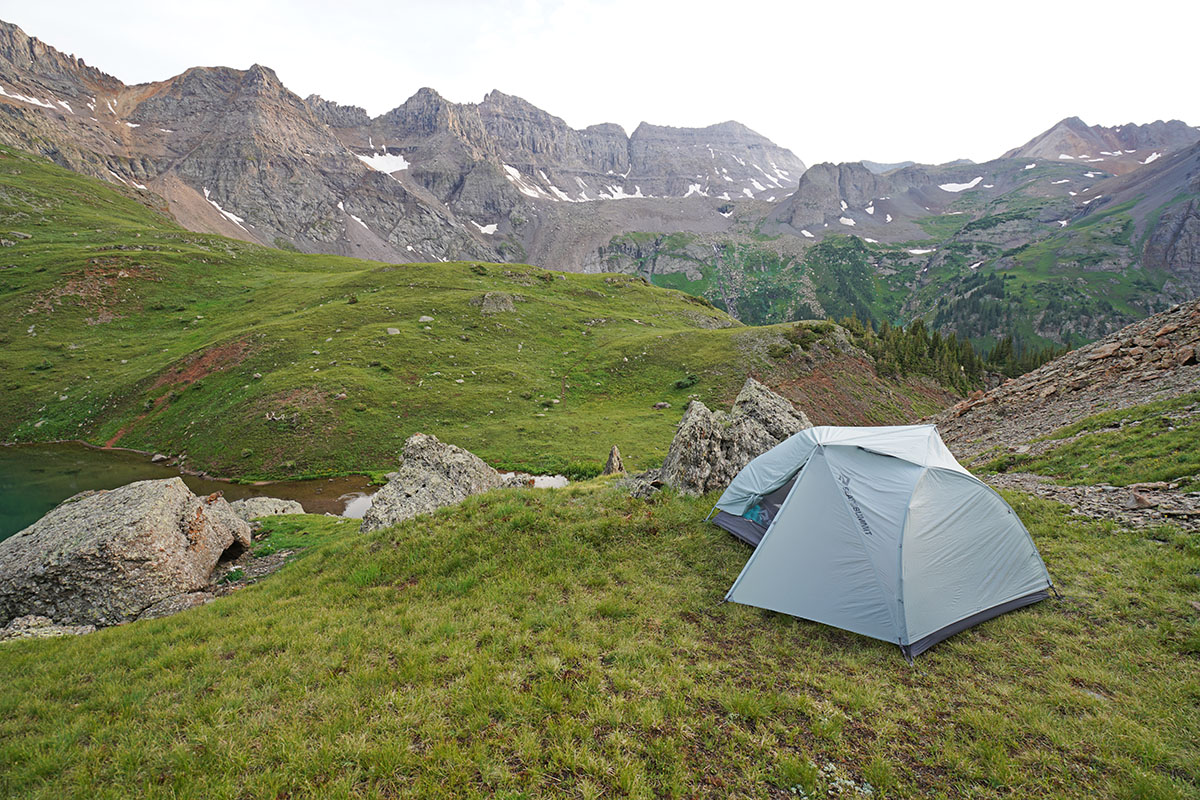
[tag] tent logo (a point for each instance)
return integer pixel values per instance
(844, 480)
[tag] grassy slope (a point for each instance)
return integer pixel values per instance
(569, 644)
(1157, 441)
(120, 327)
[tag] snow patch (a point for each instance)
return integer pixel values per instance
(960, 187)
(1062, 223)
(887, 219)
(976, 265)
(870, 210)
(807, 235)
(1065, 157)
(758, 187)
(1030, 166)
(748, 193)
(846, 221)
(619, 193)
(1153, 157)
(25, 98)
(385, 162)
(920, 252)
(694, 188)
(844, 206)
(872, 241)
(487, 230)
(1056, 183)
(525, 187)
(234, 218)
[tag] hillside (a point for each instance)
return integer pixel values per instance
(571, 643)
(122, 329)
(1111, 429)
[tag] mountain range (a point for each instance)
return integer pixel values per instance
(1063, 239)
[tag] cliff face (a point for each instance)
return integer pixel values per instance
(235, 152)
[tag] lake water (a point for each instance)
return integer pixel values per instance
(36, 478)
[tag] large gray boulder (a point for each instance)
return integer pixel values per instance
(711, 447)
(256, 507)
(105, 557)
(432, 474)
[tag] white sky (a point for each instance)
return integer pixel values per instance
(832, 81)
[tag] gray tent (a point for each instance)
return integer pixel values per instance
(879, 531)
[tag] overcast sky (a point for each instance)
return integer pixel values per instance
(834, 81)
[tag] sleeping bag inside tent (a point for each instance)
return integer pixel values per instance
(879, 531)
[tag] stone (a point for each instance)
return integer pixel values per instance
(711, 447)
(393, 331)
(258, 507)
(1139, 500)
(494, 302)
(158, 458)
(661, 405)
(1105, 350)
(425, 318)
(432, 474)
(104, 558)
(613, 465)
(32, 626)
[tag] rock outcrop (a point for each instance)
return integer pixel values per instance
(614, 465)
(106, 557)
(711, 447)
(256, 507)
(432, 474)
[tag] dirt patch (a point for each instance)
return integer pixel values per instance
(100, 287)
(847, 391)
(199, 365)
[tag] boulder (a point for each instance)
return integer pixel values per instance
(495, 302)
(104, 558)
(255, 507)
(711, 447)
(432, 474)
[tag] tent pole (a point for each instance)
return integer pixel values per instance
(710, 513)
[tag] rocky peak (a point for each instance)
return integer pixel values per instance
(1073, 138)
(336, 115)
(30, 56)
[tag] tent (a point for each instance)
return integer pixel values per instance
(879, 531)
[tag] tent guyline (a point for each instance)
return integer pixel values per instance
(879, 531)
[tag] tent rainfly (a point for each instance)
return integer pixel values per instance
(879, 531)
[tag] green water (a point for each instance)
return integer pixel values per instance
(36, 478)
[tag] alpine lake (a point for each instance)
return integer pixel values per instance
(35, 478)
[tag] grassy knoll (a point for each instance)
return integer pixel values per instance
(569, 643)
(118, 327)
(1157, 441)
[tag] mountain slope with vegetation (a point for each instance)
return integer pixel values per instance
(120, 328)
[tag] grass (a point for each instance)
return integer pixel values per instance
(119, 327)
(570, 643)
(1157, 441)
